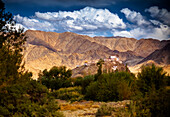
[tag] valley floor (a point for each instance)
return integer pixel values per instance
(87, 108)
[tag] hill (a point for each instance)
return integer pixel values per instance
(142, 47)
(160, 56)
(47, 49)
(91, 69)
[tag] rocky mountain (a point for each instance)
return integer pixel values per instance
(47, 49)
(142, 47)
(160, 56)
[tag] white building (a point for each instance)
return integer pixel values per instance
(114, 68)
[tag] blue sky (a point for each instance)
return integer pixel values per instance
(127, 18)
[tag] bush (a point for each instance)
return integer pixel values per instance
(69, 94)
(92, 91)
(104, 110)
(112, 87)
(86, 81)
(155, 101)
(151, 78)
(78, 81)
(56, 77)
(26, 98)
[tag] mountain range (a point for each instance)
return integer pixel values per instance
(47, 49)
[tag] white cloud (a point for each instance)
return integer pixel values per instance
(35, 24)
(161, 14)
(134, 17)
(155, 22)
(96, 22)
(122, 33)
(144, 28)
(87, 19)
(162, 33)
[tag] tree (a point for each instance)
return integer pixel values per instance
(19, 94)
(155, 101)
(151, 78)
(11, 46)
(99, 64)
(99, 71)
(112, 87)
(56, 77)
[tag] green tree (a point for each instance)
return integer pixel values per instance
(155, 101)
(151, 78)
(11, 46)
(56, 77)
(19, 94)
(86, 82)
(99, 71)
(112, 87)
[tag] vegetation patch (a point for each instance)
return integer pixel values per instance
(70, 94)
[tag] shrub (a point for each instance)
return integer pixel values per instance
(69, 94)
(92, 91)
(78, 81)
(104, 110)
(28, 98)
(85, 82)
(151, 78)
(112, 87)
(56, 77)
(155, 101)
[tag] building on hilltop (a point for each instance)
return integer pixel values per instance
(112, 58)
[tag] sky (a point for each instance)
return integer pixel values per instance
(127, 18)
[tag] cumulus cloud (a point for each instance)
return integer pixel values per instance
(87, 19)
(122, 33)
(162, 32)
(160, 14)
(33, 24)
(134, 17)
(143, 28)
(97, 22)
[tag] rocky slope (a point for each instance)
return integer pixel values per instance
(47, 49)
(91, 69)
(161, 56)
(142, 47)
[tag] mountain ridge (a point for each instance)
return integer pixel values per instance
(159, 56)
(47, 49)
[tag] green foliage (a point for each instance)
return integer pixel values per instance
(69, 94)
(104, 110)
(86, 81)
(26, 98)
(78, 81)
(5, 18)
(112, 87)
(99, 71)
(11, 46)
(56, 77)
(99, 64)
(155, 101)
(151, 78)
(92, 91)
(19, 94)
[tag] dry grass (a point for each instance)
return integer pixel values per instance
(95, 106)
(78, 106)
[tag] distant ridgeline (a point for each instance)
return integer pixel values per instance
(47, 49)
